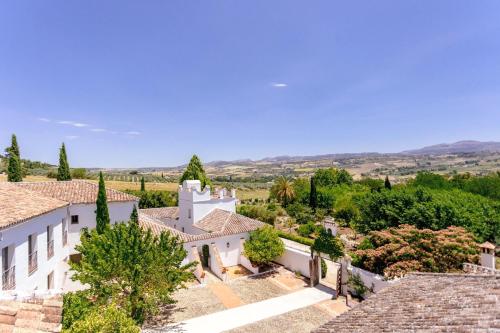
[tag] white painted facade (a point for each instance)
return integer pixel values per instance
(59, 221)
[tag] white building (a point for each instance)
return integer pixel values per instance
(40, 226)
(205, 218)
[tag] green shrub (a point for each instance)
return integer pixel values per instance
(263, 246)
(295, 238)
(107, 319)
(324, 268)
(357, 285)
(75, 306)
(261, 213)
(305, 230)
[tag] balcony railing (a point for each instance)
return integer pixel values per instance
(9, 278)
(32, 262)
(50, 249)
(65, 238)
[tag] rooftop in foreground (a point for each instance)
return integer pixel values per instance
(426, 302)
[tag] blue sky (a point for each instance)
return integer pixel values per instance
(149, 83)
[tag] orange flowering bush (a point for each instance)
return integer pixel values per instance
(396, 251)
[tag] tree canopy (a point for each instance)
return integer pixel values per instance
(332, 176)
(283, 190)
(132, 267)
(263, 246)
(63, 172)
(328, 244)
(397, 251)
(195, 171)
(14, 165)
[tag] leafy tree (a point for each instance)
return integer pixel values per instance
(259, 213)
(374, 184)
(76, 305)
(154, 199)
(79, 173)
(14, 165)
(143, 184)
(305, 230)
(430, 180)
(132, 267)
(328, 244)
(387, 183)
(102, 213)
(313, 195)
(195, 171)
(263, 246)
(301, 189)
(332, 177)
(397, 251)
(105, 319)
(63, 172)
(283, 191)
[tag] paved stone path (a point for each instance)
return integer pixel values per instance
(250, 313)
(226, 295)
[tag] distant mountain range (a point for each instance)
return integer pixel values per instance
(468, 146)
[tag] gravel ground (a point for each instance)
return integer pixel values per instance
(191, 303)
(255, 289)
(299, 321)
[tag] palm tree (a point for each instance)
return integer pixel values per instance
(283, 190)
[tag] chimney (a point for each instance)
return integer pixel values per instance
(487, 255)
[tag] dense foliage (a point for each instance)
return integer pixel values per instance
(428, 208)
(76, 305)
(14, 166)
(195, 170)
(397, 251)
(328, 244)
(263, 246)
(295, 238)
(283, 191)
(105, 319)
(132, 267)
(102, 213)
(63, 172)
(155, 198)
(261, 213)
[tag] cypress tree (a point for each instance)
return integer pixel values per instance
(195, 170)
(387, 183)
(63, 172)
(313, 195)
(102, 213)
(143, 185)
(14, 166)
(134, 217)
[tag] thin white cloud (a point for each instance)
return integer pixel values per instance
(72, 123)
(133, 133)
(72, 137)
(279, 85)
(97, 130)
(45, 120)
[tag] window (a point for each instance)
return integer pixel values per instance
(74, 219)
(189, 213)
(32, 254)
(64, 233)
(182, 229)
(50, 281)
(50, 242)
(8, 270)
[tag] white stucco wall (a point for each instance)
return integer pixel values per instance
(371, 280)
(295, 260)
(118, 212)
(16, 238)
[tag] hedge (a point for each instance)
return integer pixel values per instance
(295, 238)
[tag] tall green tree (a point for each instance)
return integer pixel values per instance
(102, 213)
(387, 183)
(263, 246)
(131, 267)
(143, 184)
(14, 166)
(313, 195)
(195, 171)
(63, 172)
(134, 217)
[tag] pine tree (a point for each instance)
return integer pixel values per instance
(313, 195)
(102, 213)
(63, 172)
(143, 185)
(387, 183)
(14, 166)
(196, 171)
(134, 217)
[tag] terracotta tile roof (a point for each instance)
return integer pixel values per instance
(33, 316)
(162, 212)
(426, 302)
(18, 205)
(156, 226)
(220, 220)
(74, 191)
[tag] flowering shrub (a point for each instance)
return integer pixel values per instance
(396, 251)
